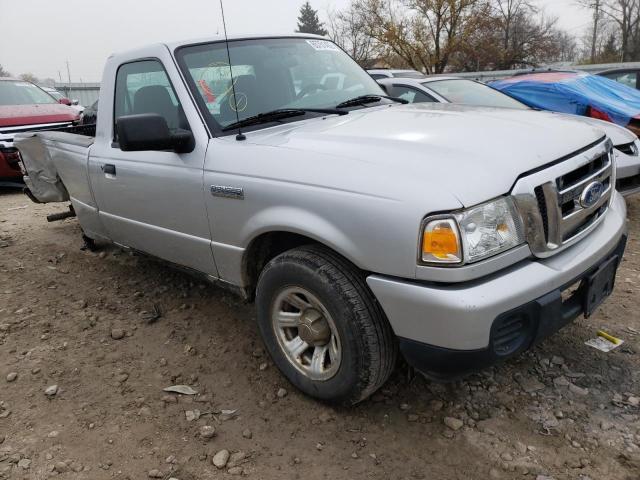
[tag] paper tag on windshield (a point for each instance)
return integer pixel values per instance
(322, 45)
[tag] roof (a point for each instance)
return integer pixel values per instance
(11, 79)
(546, 70)
(441, 77)
(619, 70)
(210, 39)
(397, 70)
(245, 36)
(546, 77)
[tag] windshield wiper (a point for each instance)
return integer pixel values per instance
(363, 99)
(280, 114)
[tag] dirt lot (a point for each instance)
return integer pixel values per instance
(562, 411)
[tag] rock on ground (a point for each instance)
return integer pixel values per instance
(221, 458)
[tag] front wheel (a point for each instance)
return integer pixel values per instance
(323, 327)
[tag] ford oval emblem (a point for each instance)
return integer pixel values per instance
(591, 194)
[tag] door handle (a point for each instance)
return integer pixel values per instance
(109, 169)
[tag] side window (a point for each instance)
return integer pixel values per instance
(411, 95)
(629, 79)
(144, 87)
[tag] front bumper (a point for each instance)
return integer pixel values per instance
(436, 322)
(511, 333)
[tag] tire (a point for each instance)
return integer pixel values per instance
(315, 288)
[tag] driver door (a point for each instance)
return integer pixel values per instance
(152, 201)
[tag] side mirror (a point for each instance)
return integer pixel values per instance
(149, 131)
(65, 101)
(75, 101)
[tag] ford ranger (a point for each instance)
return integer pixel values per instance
(360, 226)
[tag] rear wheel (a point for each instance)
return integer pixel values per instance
(323, 327)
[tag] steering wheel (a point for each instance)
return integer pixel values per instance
(312, 87)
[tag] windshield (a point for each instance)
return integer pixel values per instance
(270, 74)
(16, 92)
(468, 92)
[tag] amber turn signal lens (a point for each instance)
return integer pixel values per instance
(441, 242)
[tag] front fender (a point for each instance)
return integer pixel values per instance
(302, 222)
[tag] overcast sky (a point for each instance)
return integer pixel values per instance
(39, 36)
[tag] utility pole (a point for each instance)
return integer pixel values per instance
(596, 21)
(60, 76)
(68, 73)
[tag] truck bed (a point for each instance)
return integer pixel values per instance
(56, 163)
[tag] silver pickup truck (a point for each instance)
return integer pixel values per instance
(360, 226)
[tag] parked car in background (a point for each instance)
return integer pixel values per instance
(626, 76)
(469, 92)
(25, 107)
(577, 93)
(62, 99)
(90, 114)
(378, 73)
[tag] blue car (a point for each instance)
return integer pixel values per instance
(577, 93)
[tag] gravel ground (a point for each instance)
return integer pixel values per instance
(89, 340)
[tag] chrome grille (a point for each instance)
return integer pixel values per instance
(552, 201)
(7, 134)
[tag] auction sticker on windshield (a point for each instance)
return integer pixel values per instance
(322, 45)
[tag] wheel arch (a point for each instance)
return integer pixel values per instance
(267, 245)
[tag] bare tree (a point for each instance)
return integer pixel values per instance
(509, 13)
(390, 26)
(527, 36)
(482, 49)
(596, 7)
(348, 29)
(567, 47)
(436, 35)
(29, 77)
(423, 33)
(514, 35)
(626, 14)
(3, 72)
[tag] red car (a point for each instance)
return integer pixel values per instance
(25, 107)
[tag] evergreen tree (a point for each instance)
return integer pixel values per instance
(308, 21)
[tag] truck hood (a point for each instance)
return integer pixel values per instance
(19, 115)
(472, 153)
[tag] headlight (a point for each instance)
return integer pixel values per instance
(473, 234)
